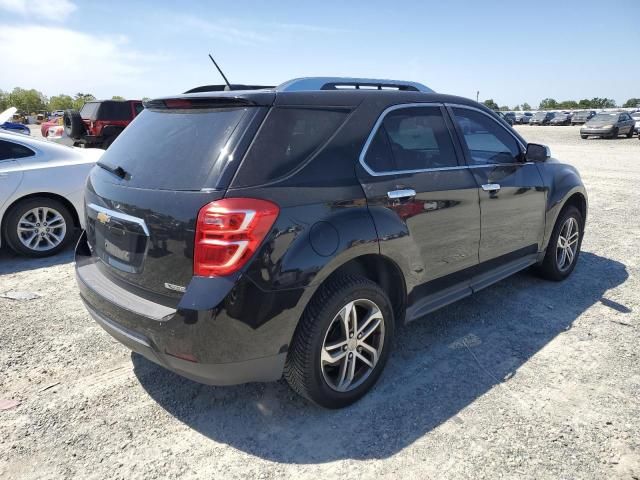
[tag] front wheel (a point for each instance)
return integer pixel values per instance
(564, 245)
(630, 133)
(615, 133)
(38, 227)
(584, 137)
(342, 342)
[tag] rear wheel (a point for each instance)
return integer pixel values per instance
(564, 246)
(342, 342)
(38, 227)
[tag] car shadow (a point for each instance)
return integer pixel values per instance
(440, 365)
(11, 262)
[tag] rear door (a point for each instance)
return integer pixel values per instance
(423, 200)
(512, 192)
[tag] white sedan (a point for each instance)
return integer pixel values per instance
(41, 193)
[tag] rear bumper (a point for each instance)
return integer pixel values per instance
(222, 344)
(257, 370)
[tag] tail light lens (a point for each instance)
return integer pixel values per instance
(229, 232)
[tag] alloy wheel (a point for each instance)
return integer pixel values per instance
(352, 345)
(41, 229)
(567, 246)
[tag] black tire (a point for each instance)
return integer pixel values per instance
(584, 137)
(303, 369)
(630, 133)
(549, 267)
(108, 142)
(614, 133)
(73, 124)
(10, 230)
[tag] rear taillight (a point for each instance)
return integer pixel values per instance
(228, 233)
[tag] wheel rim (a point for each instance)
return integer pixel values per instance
(352, 345)
(567, 244)
(41, 229)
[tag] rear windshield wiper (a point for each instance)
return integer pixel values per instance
(117, 171)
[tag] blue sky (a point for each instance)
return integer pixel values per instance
(512, 52)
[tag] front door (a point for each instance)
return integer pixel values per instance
(423, 199)
(512, 192)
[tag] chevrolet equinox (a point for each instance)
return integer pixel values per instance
(245, 235)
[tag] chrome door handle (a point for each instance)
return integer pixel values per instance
(400, 194)
(491, 187)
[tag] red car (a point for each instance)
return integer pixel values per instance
(44, 126)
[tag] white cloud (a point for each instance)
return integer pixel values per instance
(71, 61)
(222, 30)
(57, 10)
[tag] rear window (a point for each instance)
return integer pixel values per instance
(174, 150)
(114, 111)
(288, 137)
(90, 110)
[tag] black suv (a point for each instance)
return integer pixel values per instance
(238, 236)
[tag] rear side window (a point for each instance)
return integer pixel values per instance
(288, 137)
(414, 138)
(174, 149)
(10, 150)
(90, 110)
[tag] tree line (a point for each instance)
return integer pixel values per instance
(33, 101)
(552, 104)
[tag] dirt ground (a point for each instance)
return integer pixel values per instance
(527, 379)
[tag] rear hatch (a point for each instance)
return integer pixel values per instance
(144, 196)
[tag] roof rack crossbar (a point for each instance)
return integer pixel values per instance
(339, 83)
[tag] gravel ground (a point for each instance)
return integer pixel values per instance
(527, 379)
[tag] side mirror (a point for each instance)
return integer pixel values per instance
(537, 153)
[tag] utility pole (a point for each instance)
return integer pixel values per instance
(477, 95)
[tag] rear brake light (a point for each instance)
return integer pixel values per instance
(228, 233)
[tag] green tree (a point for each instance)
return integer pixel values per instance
(632, 103)
(27, 101)
(568, 104)
(598, 102)
(117, 97)
(60, 102)
(526, 106)
(517, 108)
(145, 99)
(584, 103)
(504, 108)
(80, 99)
(491, 104)
(548, 104)
(4, 101)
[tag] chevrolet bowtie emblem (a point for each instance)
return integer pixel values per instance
(103, 217)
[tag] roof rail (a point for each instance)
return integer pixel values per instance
(347, 83)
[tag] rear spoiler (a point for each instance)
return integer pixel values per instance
(225, 88)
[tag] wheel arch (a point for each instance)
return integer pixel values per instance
(381, 270)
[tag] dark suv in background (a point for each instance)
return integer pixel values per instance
(542, 118)
(99, 123)
(240, 236)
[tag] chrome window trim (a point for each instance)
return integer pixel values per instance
(374, 130)
(121, 216)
